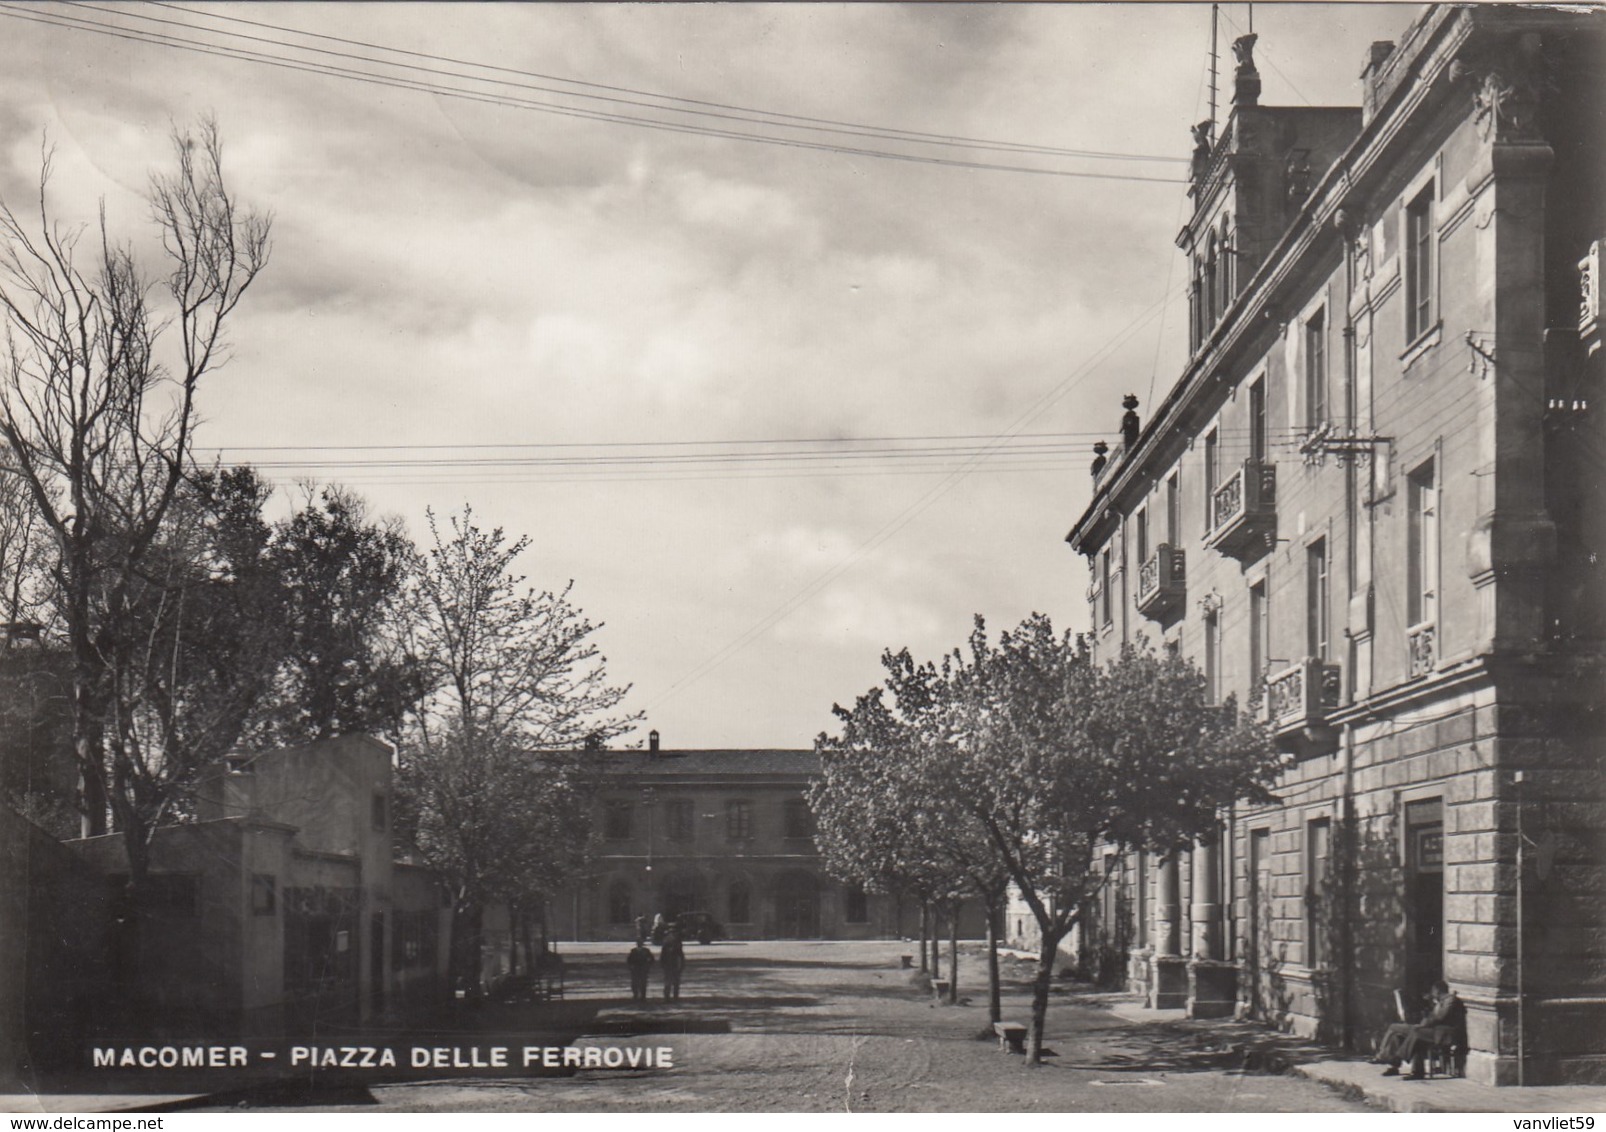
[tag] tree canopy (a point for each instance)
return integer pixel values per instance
(1021, 759)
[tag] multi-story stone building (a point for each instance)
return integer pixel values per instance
(1372, 509)
(724, 832)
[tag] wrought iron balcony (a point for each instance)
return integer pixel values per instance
(1162, 582)
(1243, 511)
(1423, 641)
(1298, 701)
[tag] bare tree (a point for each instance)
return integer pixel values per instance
(102, 366)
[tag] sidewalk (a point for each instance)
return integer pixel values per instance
(1269, 1050)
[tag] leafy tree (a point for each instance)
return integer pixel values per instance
(1014, 762)
(343, 578)
(1070, 757)
(887, 807)
(491, 781)
(97, 409)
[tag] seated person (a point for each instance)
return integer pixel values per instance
(1445, 1024)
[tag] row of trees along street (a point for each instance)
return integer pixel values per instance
(157, 619)
(1016, 762)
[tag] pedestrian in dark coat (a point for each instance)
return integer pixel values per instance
(673, 957)
(640, 962)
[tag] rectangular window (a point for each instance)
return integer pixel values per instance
(1318, 899)
(1212, 657)
(1106, 614)
(799, 820)
(1422, 546)
(377, 813)
(1316, 371)
(616, 821)
(1259, 654)
(1257, 420)
(264, 894)
(1173, 509)
(680, 816)
(738, 821)
(1419, 265)
(1141, 522)
(1318, 599)
(1211, 470)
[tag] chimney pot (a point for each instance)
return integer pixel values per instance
(652, 741)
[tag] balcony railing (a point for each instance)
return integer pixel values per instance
(1243, 511)
(1162, 582)
(1300, 698)
(1423, 641)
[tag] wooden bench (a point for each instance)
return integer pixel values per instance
(1011, 1037)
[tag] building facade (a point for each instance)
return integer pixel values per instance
(282, 908)
(724, 832)
(1371, 510)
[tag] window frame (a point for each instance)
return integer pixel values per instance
(738, 819)
(1316, 401)
(618, 813)
(1422, 544)
(1316, 935)
(1417, 264)
(680, 819)
(1318, 600)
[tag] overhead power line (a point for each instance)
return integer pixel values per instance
(703, 106)
(404, 81)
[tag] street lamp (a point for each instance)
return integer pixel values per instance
(648, 796)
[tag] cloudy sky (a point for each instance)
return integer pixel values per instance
(772, 407)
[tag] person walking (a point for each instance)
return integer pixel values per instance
(673, 957)
(640, 962)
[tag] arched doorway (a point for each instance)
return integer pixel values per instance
(797, 905)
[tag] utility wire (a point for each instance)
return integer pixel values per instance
(903, 518)
(735, 113)
(57, 19)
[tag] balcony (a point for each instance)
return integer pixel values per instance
(1162, 582)
(1298, 701)
(1422, 640)
(1243, 511)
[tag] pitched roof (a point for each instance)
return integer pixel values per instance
(713, 764)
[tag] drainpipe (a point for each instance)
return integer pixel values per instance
(1522, 1053)
(1346, 819)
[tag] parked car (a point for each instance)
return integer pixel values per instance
(700, 926)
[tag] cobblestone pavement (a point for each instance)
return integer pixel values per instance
(834, 1027)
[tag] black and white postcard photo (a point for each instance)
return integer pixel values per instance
(804, 558)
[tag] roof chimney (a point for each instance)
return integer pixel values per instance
(1245, 80)
(1377, 57)
(652, 742)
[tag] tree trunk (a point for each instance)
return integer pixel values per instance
(468, 937)
(1040, 988)
(514, 922)
(953, 953)
(925, 916)
(995, 1004)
